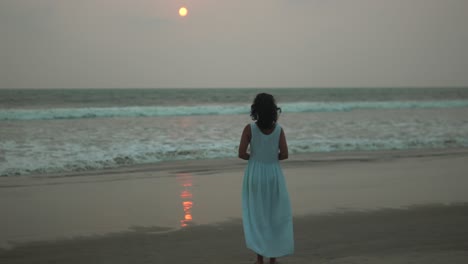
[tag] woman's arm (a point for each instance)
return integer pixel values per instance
(244, 143)
(283, 146)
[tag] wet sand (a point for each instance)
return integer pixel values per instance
(351, 207)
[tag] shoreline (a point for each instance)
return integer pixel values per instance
(235, 163)
(60, 210)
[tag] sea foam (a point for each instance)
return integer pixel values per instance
(154, 111)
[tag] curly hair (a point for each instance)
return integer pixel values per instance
(264, 110)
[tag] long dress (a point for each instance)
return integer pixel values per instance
(266, 209)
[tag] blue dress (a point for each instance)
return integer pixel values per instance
(266, 210)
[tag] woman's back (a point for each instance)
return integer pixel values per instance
(263, 147)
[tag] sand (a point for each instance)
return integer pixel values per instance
(350, 207)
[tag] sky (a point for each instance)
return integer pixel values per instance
(239, 43)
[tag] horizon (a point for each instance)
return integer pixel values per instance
(235, 88)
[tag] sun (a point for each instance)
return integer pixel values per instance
(183, 11)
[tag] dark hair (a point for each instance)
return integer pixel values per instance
(264, 110)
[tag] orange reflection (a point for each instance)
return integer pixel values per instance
(185, 194)
(185, 180)
(185, 122)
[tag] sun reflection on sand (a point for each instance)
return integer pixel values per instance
(185, 180)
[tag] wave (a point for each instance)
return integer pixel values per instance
(124, 155)
(154, 111)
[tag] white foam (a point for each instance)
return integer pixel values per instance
(150, 111)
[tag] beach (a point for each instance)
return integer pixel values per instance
(151, 132)
(349, 207)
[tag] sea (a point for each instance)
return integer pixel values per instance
(45, 131)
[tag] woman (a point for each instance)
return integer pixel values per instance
(266, 210)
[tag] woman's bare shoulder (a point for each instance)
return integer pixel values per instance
(247, 128)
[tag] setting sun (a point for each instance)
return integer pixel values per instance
(183, 11)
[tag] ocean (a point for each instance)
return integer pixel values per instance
(68, 130)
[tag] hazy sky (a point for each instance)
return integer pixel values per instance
(238, 43)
